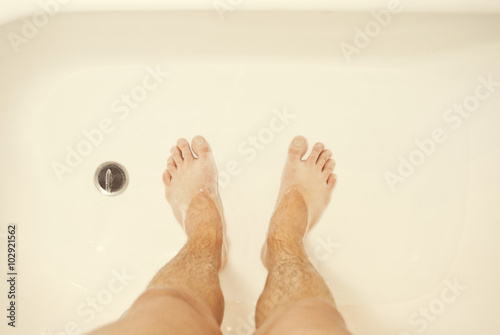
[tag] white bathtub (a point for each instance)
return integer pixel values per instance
(409, 244)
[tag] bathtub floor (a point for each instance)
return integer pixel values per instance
(409, 257)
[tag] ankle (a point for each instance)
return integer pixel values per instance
(283, 248)
(290, 219)
(206, 234)
(203, 219)
(206, 245)
(282, 234)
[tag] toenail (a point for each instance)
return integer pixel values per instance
(199, 140)
(319, 145)
(298, 141)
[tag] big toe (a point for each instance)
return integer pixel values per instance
(297, 148)
(201, 147)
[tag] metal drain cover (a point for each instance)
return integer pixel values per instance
(111, 178)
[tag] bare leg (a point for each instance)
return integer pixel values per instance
(296, 299)
(185, 295)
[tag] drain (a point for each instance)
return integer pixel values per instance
(111, 178)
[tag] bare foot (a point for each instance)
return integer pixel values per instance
(191, 189)
(313, 178)
(305, 192)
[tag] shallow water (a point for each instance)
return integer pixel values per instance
(123, 87)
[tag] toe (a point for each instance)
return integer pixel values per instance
(185, 149)
(315, 153)
(331, 181)
(323, 158)
(171, 167)
(167, 178)
(297, 148)
(200, 147)
(177, 155)
(329, 166)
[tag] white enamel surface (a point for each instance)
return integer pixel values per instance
(385, 254)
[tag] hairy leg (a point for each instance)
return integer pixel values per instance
(185, 296)
(194, 271)
(296, 299)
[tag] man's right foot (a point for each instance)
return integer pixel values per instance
(305, 192)
(191, 189)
